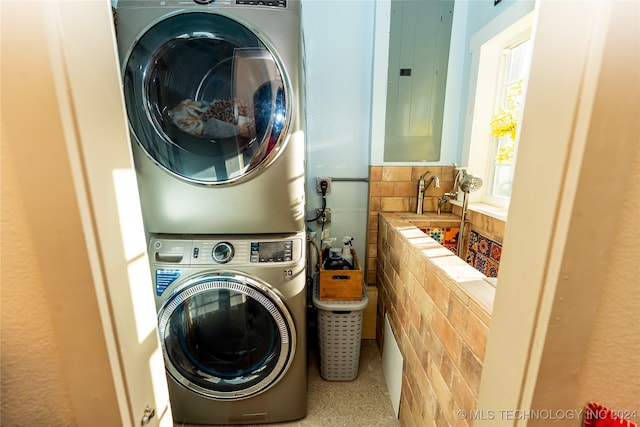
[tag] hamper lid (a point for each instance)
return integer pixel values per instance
(338, 305)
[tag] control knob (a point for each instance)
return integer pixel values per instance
(222, 252)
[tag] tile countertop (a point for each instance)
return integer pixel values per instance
(459, 275)
(427, 216)
(445, 219)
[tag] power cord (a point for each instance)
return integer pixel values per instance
(323, 189)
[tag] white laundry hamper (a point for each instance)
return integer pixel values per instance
(339, 336)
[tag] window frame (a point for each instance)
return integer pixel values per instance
(486, 86)
(500, 99)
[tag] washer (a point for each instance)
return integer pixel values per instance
(214, 102)
(231, 322)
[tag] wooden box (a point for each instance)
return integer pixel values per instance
(342, 285)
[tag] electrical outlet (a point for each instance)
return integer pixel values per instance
(323, 217)
(320, 182)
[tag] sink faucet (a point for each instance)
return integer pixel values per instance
(422, 186)
(445, 198)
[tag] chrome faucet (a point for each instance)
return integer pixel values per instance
(445, 199)
(422, 186)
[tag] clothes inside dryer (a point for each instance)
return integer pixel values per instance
(207, 99)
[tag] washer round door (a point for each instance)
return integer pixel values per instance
(206, 98)
(226, 336)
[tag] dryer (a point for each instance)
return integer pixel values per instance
(231, 322)
(213, 94)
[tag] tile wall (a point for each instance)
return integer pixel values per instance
(483, 227)
(446, 236)
(484, 254)
(395, 189)
(439, 308)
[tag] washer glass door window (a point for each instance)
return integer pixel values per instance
(226, 336)
(206, 98)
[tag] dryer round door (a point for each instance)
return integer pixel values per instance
(226, 336)
(207, 99)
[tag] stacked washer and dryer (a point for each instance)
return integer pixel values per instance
(213, 91)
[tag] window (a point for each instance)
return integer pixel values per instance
(505, 122)
(500, 66)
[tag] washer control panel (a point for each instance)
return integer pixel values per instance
(225, 250)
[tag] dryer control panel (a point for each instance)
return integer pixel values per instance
(227, 250)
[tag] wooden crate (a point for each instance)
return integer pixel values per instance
(342, 285)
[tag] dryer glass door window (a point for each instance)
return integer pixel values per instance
(226, 339)
(206, 98)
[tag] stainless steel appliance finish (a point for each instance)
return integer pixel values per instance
(214, 101)
(231, 323)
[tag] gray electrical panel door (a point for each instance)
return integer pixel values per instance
(418, 58)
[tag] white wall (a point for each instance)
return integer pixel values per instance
(52, 333)
(468, 18)
(346, 72)
(79, 345)
(339, 50)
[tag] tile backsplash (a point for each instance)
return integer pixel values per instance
(395, 189)
(484, 254)
(446, 236)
